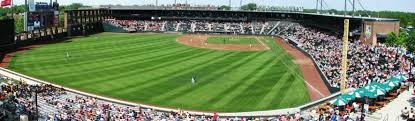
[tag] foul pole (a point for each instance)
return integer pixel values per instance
(344, 56)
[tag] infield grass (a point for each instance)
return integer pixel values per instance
(231, 40)
(155, 69)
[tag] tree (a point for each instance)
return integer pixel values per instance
(402, 38)
(224, 7)
(19, 24)
(411, 41)
(334, 11)
(73, 6)
(249, 7)
(391, 39)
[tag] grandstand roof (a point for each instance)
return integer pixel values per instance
(211, 8)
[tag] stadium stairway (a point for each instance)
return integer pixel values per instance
(392, 111)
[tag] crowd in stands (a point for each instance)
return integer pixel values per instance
(366, 63)
(250, 27)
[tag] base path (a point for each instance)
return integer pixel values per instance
(315, 84)
(200, 41)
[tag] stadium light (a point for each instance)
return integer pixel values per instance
(240, 3)
(316, 6)
(353, 7)
(345, 8)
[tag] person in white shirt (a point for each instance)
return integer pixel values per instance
(405, 112)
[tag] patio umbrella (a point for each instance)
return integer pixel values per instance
(401, 77)
(395, 79)
(347, 97)
(355, 94)
(376, 90)
(371, 91)
(339, 101)
(382, 86)
(391, 83)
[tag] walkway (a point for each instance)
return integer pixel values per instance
(392, 111)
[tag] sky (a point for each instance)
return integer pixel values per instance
(376, 5)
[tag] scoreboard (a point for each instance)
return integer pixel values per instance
(41, 15)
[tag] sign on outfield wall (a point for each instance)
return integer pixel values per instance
(31, 5)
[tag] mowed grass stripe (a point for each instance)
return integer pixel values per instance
(237, 89)
(154, 69)
(172, 70)
(268, 98)
(124, 58)
(156, 63)
(182, 72)
(225, 88)
(204, 78)
(110, 49)
(48, 52)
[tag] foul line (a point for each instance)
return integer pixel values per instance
(312, 87)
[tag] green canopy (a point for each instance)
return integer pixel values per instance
(355, 94)
(371, 91)
(347, 97)
(395, 79)
(391, 83)
(382, 86)
(339, 101)
(401, 77)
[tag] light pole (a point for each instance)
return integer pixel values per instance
(345, 8)
(317, 6)
(240, 3)
(353, 7)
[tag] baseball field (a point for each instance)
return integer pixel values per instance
(155, 69)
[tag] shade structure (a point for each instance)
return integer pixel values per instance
(339, 101)
(347, 97)
(382, 86)
(394, 79)
(391, 83)
(371, 91)
(401, 77)
(355, 94)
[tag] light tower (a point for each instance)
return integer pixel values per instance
(317, 6)
(240, 3)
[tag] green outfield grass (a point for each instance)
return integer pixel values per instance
(231, 40)
(155, 69)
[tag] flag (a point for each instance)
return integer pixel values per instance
(6, 3)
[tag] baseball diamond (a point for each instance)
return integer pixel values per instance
(155, 69)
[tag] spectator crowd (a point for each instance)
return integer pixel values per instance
(366, 63)
(249, 27)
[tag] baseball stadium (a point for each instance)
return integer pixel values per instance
(202, 62)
